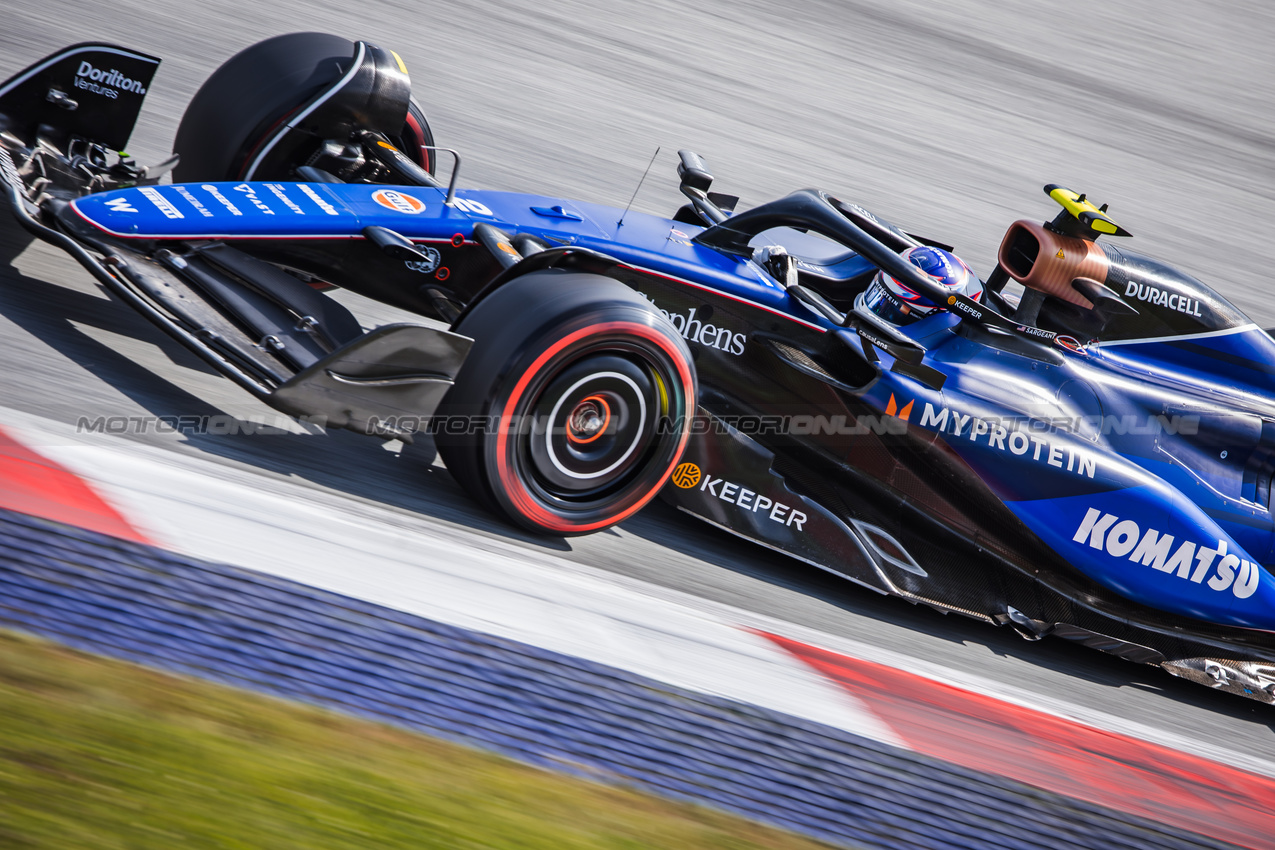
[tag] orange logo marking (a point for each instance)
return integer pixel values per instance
(686, 476)
(398, 201)
(892, 408)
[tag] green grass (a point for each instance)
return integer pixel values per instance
(96, 753)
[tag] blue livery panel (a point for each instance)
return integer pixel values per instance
(1161, 515)
(287, 210)
(1151, 544)
(284, 210)
(312, 210)
(1102, 485)
(262, 210)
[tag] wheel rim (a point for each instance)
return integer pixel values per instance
(592, 425)
(589, 420)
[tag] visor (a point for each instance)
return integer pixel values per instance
(881, 301)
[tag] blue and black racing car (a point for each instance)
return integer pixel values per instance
(1081, 445)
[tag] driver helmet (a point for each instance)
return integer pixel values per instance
(899, 305)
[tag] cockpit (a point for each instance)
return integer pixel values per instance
(1072, 285)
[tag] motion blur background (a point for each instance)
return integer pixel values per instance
(944, 117)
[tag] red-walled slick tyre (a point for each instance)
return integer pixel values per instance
(574, 405)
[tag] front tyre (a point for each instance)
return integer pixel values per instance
(244, 103)
(574, 405)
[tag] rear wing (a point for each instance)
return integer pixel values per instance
(92, 91)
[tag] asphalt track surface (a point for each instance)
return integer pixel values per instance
(946, 119)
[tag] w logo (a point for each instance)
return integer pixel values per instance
(120, 205)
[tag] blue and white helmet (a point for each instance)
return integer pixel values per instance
(899, 305)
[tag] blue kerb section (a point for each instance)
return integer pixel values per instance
(560, 712)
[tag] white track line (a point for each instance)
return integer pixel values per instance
(404, 561)
(396, 559)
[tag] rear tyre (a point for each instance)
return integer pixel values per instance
(245, 100)
(573, 407)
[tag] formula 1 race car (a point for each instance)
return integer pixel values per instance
(1091, 458)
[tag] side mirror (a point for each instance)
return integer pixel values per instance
(693, 172)
(695, 182)
(395, 245)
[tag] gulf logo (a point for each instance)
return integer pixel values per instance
(398, 202)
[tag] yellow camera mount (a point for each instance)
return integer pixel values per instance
(1080, 217)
